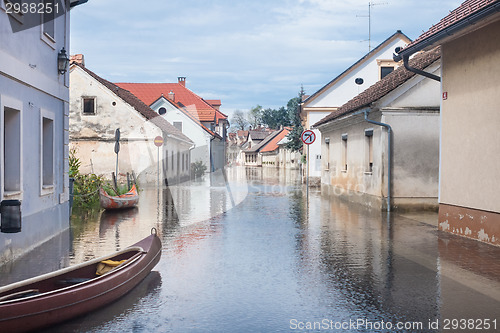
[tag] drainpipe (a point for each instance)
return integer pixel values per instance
(416, 70)
(389, 156)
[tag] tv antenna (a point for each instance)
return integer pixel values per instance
(370, 5)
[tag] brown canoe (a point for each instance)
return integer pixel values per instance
(127, 200)
(51, 298)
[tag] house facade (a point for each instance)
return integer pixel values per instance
(34, 140)
(470, 150)
(381, 148)
(199, 120)
(361, 75)
(99, 107)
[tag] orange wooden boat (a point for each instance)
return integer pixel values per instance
(127, 200)
(55, 297)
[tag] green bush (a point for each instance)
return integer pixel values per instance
(85, 187)
(198, 169)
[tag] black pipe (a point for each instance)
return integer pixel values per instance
(418, 71)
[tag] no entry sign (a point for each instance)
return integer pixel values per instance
(158, 141)
(308, 137)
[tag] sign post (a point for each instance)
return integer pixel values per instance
(158, 143)
(307, 137)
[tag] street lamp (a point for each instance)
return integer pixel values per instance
(62, 61)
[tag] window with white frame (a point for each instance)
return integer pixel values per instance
(369, 150)
(47, 151)
(344, 152)
(48, 21)
(12, 162)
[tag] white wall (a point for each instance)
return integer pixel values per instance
(31, 85)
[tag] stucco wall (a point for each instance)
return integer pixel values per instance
(31, 84)
(470, 144)
(415, 159)
(93, 135)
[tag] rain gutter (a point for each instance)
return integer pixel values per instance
(431, 40)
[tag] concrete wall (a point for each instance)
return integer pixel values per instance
(93, 135)
(31, 85)
(415, 160)
(470, 149)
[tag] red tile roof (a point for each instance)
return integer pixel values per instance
(197, 106)
(138, 105)
(273, 144)
(384, 86)
(461, 13)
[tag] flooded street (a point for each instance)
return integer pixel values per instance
(254, 255)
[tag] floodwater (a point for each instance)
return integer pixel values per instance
(253, 254)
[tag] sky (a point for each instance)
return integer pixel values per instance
(245, 53)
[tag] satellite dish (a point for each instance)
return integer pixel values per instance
(359, 81)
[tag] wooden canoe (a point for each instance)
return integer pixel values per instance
(127, 200)
(55, 297)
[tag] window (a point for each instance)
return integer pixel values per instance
(162, 111)
(369, 150)
(386, 66)
(12, 151)
(48, 17)
(89, 105)
(47, 151)
(327, 157)
(166, 161)
(172, 161)
(344, 152)
(178, 125)
(385, 70)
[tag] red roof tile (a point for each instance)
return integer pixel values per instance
(461, 13)
(138, 105)
(273, 144)
(384, 86)
(151, 92)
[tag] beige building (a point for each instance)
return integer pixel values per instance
(99, 107)
(383, 145)
(375, 65)
(469, 202)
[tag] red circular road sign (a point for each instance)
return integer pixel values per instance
(308, 137)
(158, 141)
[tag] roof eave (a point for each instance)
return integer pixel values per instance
(434, 39)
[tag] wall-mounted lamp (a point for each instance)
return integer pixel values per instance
(62, 62)
(10, 211)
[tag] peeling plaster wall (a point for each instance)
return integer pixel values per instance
(415, 160)
(93, 135)
(470, 155)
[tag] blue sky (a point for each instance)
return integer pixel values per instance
(242, 52)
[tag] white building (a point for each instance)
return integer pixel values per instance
(98, 107)
(195, 117)
(34, 139)
(361, 75)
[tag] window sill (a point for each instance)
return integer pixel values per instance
(344, 171)
(13, 194)
(368, 173)
(47, 189)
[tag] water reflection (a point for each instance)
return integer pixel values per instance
(255, 256)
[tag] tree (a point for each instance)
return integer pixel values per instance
(276, 118)
(255, 116)
(293, 109)
(239, 120)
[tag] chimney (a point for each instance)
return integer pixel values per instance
(78, 58)
(182, 80)
(171, 96)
